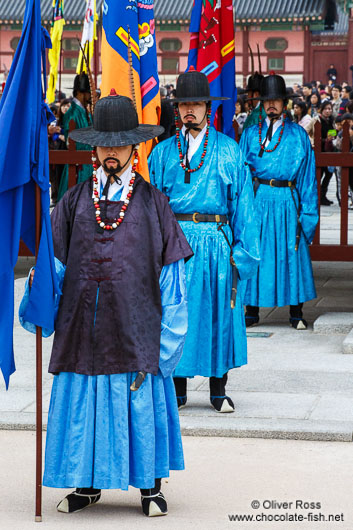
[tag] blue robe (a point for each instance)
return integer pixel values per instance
(101, 434)
(285, 275)
(216, 339)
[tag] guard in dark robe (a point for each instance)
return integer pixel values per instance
(121, 324)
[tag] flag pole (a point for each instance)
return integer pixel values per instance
(60, 70)
(39, 398)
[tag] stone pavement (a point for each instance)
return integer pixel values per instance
(222, 477)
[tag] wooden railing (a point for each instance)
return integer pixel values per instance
(341, 251)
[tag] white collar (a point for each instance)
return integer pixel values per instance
(277, 123)
(194, 143)
(78, 102)
(113, 188)
(258, 103)
(276, 126)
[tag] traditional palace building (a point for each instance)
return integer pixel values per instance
(297, 38)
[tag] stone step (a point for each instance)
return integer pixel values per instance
(334, 323)
(348, 343)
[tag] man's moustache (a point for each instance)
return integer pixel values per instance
(110, 158)
(111, 169)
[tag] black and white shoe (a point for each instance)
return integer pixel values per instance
(298, 323)
(154, 505)
(222, 404)
(78, 500)
(153, 501)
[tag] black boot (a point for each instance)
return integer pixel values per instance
(296, 319)
(153, 501)
(324, 201)
(326, 177)
(251, 316)
(78, 500)
(180, 390)
(219, 400)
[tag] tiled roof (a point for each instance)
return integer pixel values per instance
(13, 10)
(341, 27)
(246, 11)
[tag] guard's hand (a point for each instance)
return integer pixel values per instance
(31, 276)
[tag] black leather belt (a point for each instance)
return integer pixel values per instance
(222, 220)
(291, 184)
(275, 183)
(202, 217)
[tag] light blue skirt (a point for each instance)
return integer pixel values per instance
(102, 435)
(284, 276)
(216, 337)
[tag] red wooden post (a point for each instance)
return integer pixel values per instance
(245, 54)
(344, 186)
(39, 398)
(317, 151)
(236, 130)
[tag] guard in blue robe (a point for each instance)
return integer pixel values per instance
(282, 163)
(214, 206)
(121, 324)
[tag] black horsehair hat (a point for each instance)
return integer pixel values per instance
(273, 87)
(193, 86)
(254, 82)
(115, 124)
(81, 83)
(255, 79)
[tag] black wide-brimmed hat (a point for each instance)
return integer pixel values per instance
(273, 87)
(193, 86)
(115, 124)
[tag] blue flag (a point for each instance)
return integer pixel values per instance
(24, 162)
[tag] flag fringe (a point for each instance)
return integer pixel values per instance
(131, 71)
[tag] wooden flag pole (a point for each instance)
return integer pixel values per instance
(39, 398)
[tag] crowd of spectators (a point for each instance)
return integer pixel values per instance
(57, 140)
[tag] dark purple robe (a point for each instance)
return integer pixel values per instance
(120, 269)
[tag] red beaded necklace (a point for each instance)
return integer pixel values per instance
(181, 156)
(279, 138)
(96, 199)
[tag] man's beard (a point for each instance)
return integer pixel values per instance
(112, 170)
(274, 115)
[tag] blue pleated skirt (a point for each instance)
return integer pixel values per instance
(284, 276)
(216, 338)
(102, 435)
